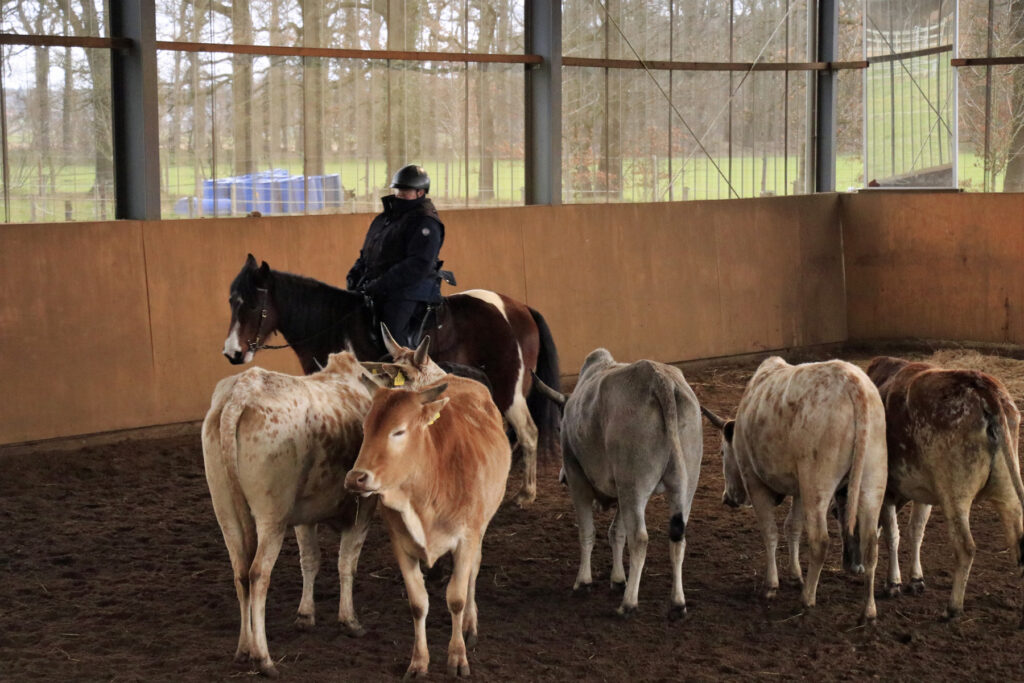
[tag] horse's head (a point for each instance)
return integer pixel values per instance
(253, 316)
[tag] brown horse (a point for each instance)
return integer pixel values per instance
(502, 337)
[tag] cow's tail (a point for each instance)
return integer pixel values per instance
(545, 414)
(230, 415)
(665, 391)
(861, 443)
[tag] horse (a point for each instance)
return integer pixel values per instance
(504, 338)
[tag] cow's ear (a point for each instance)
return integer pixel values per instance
(728, 430)
(431, 394)
(370, 382)
(431, 411)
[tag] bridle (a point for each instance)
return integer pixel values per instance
(254, 345)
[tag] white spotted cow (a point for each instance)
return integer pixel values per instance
(276, 450)
(628, 431)
(802, 431)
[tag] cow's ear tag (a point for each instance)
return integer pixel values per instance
(399, 379)
(434, 419)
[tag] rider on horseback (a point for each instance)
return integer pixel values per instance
(397, 268)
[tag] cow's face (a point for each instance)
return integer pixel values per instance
(394, 435)
(253, 317)
(735, 493)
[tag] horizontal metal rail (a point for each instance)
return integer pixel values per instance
(656, 65)
(65, 41)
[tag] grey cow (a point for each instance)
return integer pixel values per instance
(629, 431)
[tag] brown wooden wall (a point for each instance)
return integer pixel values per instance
(116, 325)
(934, 266)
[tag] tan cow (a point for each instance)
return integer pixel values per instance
(801, 431)
(952, 438)
(276, 450)
(438, 459)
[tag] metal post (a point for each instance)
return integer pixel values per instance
(825, 147)
(135, 111)
(544, 103)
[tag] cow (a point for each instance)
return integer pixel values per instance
(628, 431)
(801, 431)
(438, 460)
(952, 438)
(276, 449)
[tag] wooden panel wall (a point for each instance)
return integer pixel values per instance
(116, 325)
(934, 266)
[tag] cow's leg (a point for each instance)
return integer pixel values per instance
(470, 620)
(617, 540)
(763, 502)
(239, 533)
(919, 514)
(350, 545)
(309, 560)
(958, 517)
(270, 539)
(891, 530)
(816, 521)
(418, 604)
(1008, 506)
(457, 596)
(869, 507)
(631, 509)
(793, 528)
(679, 512)
(583, 502)
(518, 415)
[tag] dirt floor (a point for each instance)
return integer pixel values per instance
(112, 567)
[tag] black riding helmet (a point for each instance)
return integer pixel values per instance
(411, 177)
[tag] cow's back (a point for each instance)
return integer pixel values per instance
(805, 413)
(944, 424)
(617, 419)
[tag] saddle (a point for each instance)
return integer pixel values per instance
(426, 318)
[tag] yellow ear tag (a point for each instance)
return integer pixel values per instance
(399, 379)
(434, 419)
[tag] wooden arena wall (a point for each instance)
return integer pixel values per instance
(116, 325)
(934, 266)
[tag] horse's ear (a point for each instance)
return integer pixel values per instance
(420, 357)
(250, 262)
(264, 272)
(390, 345)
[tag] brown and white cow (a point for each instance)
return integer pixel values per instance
(276, 450)
(801, 431)
(952, 437)
(438, 459)
(628, 431)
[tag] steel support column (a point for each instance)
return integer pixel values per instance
(825, 118)
(135, 110)
(544, 103)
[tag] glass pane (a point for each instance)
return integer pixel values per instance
(495, 135)
(850, 131)
(700, 31)
(991, 129)
(82, 18)
(59, 134)
(909, 107)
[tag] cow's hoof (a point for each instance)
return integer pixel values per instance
(268, 669)
(305, 622)
(352, 629)
(582, 590)
(952, 614)
(855, 569)
(524, 499)
(457, 669)
(867, 620)
(618, 587)
(242, 658)
(676, 612)
(916, 586)
(893, 590)
(626, 611)
(414, 673)
(771, 593)
(471, 639)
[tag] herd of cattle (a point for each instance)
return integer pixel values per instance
(430, 450)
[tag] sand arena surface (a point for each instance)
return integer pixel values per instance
(112, 567)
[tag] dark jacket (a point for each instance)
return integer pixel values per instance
(399, 256)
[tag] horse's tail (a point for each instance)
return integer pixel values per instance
(544, 412)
